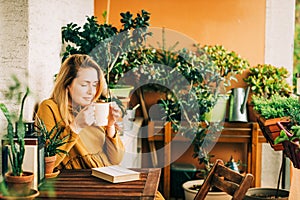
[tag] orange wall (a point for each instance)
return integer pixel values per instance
(237, 24)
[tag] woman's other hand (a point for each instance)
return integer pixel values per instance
(114, 114)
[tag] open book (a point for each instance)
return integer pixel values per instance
(115, 174)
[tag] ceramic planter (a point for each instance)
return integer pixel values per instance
(191, 193)
(218, 112)
(266, 193)
(121, 91)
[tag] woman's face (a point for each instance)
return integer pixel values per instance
(83, 88)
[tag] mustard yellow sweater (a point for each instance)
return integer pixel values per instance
(90, 148)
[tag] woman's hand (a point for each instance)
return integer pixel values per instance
(114, 114)
(85, 117)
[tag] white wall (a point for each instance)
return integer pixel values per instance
(279, 47)
(279, 35)
(30, 43)
(13, 47)
(45, 21)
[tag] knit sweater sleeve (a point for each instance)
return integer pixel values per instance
(114, 150)
(49, 113)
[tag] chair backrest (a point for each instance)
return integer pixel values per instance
(227, 180)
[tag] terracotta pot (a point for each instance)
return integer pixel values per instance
(49, 164)
(19, 185)
(271, 129)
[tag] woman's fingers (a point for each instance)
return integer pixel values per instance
(86, 116)
(116, 111)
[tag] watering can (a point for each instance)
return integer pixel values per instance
(238, 103)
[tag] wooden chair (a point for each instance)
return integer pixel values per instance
(227, 180)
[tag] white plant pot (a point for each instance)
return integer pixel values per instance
(121, 90)
(190, 194)
(218, 112)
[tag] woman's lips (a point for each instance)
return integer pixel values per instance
(87, 98)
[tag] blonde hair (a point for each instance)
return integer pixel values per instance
(68, 72)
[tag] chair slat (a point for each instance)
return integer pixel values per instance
(226, 180)
(229, 174)
(224, 185)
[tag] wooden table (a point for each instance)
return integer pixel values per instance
(80, 184)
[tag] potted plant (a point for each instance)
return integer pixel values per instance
(229, 65)
(270, 111)
(274, 114)
(52, 140)
(19, 182)
(109, 46)
(289, 135)
(289, 138)
(266, 80)
(195, 97)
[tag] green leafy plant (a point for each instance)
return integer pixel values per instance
(276, 106)
(52, 139)
(15, 138)
(229, 63)
(295, 135)
(266, 80)
(189, 104)
(108, 45)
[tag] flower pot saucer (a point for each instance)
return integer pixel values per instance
(33, 193)
(53, 175)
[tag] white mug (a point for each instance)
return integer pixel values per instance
(101, 113)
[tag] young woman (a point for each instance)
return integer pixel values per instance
(79, 83)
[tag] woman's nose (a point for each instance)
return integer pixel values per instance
(90, 89)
